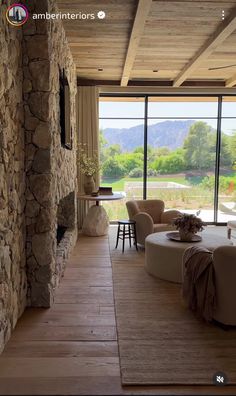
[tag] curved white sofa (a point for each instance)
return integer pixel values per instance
(163, 257)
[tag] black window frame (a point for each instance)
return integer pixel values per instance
(145, 145)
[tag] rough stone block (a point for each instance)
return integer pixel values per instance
(96, 222)
(42, 161)
(42, 136)
(44, 221)
(41, 295)
(37, 47)
(42, 248)
(40, 72)
(39, 105)
(32, 208)
(40, 187)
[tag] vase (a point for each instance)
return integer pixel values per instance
(186, 236)
(89, 185)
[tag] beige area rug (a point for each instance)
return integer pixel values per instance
(160, 341)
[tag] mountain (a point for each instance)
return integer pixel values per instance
(169, 134)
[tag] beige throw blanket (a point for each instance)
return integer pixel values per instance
(198, 284)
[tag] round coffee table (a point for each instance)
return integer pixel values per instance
(163, 257)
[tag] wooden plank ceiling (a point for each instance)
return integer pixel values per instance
(154, 42)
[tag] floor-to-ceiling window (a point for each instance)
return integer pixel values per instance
(182, 134)
(227, 163)
(121, 150)
(177, 148)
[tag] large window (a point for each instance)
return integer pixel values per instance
(181, 149)
(227, 163)
(182, 134)
(121, 150)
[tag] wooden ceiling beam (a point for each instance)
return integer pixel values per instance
(153, 83)
(231, 82)
(220, 35)
(142, 12)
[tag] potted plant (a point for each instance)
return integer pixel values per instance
(188, 225)
(88, 165)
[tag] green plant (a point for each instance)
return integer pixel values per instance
(89, 165)
(188, 223)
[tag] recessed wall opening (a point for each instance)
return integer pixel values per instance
(65, 215)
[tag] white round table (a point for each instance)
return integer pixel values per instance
(96, 222)
(163, 257)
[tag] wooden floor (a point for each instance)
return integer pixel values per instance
(72, 348)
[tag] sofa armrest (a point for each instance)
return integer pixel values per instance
(169, 215)
(224, 262)
(225, 256)
(144, 226)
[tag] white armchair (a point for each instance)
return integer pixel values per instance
(150, 217)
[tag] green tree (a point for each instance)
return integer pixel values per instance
(102, 145)
(233, 147)
(113, 168)
(225, 151)
(172, 163)
(160, 151)
(199, 148)
(130, 161)
(112, 150)
(139, 149)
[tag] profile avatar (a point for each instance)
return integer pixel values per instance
(17, 14)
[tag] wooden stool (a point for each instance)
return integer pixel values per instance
(129, 233)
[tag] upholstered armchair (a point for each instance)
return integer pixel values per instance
(150, 216)
(224, 261)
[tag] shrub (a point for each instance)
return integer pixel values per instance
(209, 183)
(136, 172)
(113, 168)
(130, 161)
(152, 172)
(172, 163)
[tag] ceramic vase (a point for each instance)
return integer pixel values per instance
(186, 235)
(89, 185)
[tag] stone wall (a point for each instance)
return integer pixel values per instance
(36, 172)
(50, 168)
(13, 284)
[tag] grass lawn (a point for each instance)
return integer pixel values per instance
(197, 197)
(118, 185)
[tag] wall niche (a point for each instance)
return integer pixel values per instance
(65, 110)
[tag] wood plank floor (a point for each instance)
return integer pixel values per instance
(71, 348)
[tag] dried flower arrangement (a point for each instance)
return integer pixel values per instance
(89, 165)
(188, 223)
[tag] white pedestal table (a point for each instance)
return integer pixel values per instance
(96, 222)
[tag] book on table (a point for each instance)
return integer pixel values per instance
(105, 191)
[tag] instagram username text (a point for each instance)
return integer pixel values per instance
(68, 15)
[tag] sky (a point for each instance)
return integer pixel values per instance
(163, 110)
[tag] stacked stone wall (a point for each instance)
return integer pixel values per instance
(36, 172)
(50, 168)
(13, 283)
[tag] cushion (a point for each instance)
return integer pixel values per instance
(154, 207)
(132, 209)
(162, 227)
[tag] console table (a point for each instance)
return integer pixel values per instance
(96, 222)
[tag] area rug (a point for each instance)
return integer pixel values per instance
(160, 341)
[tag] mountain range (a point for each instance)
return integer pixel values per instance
(169, 134)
